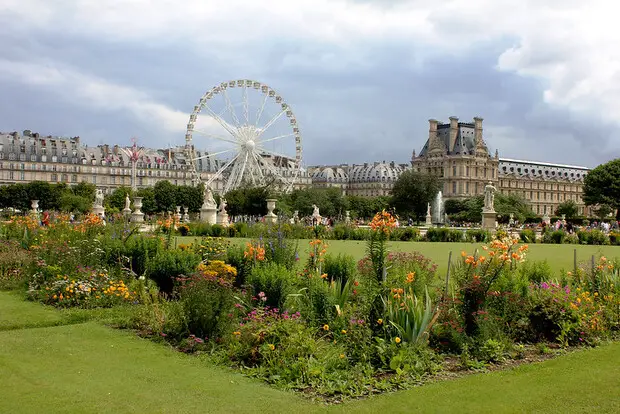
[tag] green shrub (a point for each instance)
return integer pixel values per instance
(168, 265)
(236, 258)
(406, 234)
(536, 271)
(528, 236)
(218, 230)
(275, 280)
(477, 236)
(341, 267)
(207, 307)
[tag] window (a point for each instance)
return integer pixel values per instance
(54, 177)
(74, 178)
(454, 187)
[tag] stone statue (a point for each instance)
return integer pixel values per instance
(489, 197)
(428, 209)
(315, 211)
(222, 207)
(209, 201)
(127, 202)
(99, 198)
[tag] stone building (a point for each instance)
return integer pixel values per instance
(456, 151)
(366, 180)
(30, 157)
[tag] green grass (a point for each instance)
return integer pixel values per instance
(16, 313)
(89, 368)
(559, 256)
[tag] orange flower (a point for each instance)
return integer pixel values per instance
(410, 277)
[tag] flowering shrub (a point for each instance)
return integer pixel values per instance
(212, 248)
(87, 288)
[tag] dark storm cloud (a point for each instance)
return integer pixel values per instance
(371, 111)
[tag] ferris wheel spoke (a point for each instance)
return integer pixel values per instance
(271, 122)
(261, 109)
(275, 172)
(276, 154)
(245, 162)
(246, 103)
(221, 170)
(219, 119)
(258, 165)
(213, 154)
(215, 136)
(231, 108)
(292, 134)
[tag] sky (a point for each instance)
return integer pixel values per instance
(363, 77)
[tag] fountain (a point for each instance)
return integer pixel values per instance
(438, 216)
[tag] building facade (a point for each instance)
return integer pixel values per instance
(27, 156)
(366, 180)
(456, 151)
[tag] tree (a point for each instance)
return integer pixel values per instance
(86, 190)
(149, 206)
(250, 201)
(72, 203)
(412, 192)
(567, 208)
(165, 196)
(602, 186)
(116, 200)
(603, 211)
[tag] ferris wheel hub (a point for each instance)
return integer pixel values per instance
(250, 144)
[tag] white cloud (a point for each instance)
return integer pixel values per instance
(86, 90)
(569, 45)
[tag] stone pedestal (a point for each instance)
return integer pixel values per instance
(488, 220)
(137, 216)
(34, 205)
(546, 219)
(429, 220)
(127, 213)
(347, 217)
(99, 211)
(177, 215)
(270, 217)
(222, 218)
(208, 214)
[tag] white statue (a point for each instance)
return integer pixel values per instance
(315, 211)
(127, 202)
(489, 197)
(209, 201)
(222, 207)
(99, 198)
(428, 209)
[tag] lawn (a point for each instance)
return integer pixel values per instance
(559, 256)
(91, 368)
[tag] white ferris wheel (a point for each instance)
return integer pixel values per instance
(250, 133)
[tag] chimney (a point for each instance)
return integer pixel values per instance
(432, 131)
(477, 129)
(454, 130)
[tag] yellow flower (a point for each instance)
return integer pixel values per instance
(397, 340)
(380, 321)
(236, 333)
(272, 346)
(326, 327)
(341, 356)
(344, 331)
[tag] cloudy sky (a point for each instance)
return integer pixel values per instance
(362, 76)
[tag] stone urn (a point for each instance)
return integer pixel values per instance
(271, 205)
(177, 215)
(137, 216)
(185, 215)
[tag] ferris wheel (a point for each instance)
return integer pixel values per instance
(251, 134)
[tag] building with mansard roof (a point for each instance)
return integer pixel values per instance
(457, 152)
(28, 156)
